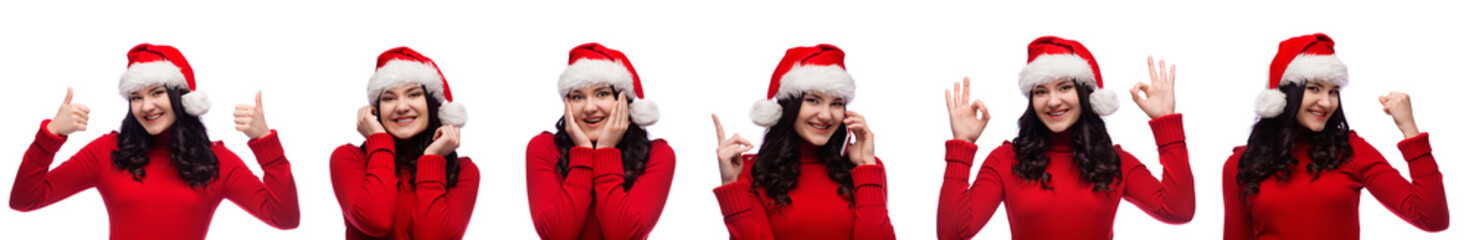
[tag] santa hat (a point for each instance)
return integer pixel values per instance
(1049, 58)
(804, 69)
(150, 64)
(400, 66)
(592, 64)
(1298, 60)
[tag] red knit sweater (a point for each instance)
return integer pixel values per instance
(1327, 207)
(590, 201)
(378, 201)
(161, 205)
(816, 210)
(1071, 210)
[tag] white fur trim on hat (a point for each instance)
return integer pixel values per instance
(828, 79)
(396, 73)
(765, 113)
(643, 112)
(141, 75)
(1309, 67)
(1104, 101)
(453, 113)
(1050, 67)
(587, 72)
(1270, 103)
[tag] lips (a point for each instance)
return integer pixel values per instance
(820, 127)
(592, 122)
(405, 121)
(152, 118)
(1317, 114)
(1057, 115)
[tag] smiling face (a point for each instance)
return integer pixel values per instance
(1056, 104)
(152, 108)
(591, 107)
(819, 117)
(1319, 102)
(404, 111)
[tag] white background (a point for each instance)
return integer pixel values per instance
(312, 60)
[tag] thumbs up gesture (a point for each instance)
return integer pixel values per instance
(251, 119)
(69, 118)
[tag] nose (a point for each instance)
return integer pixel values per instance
(588, 108)
(824, 116)
(149, 104)
(1325, 103)
(1053, 101)
(401, 107)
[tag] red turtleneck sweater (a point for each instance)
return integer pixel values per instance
(590, 201)
(1071, 210)
(379, 202)
(1301, 207)
(160, 205)
(816, 210)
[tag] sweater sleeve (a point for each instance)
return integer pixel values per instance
(272, 199)
(443, 212)
(1238, 224)
(964, 208)
(631, 213)
(1420, 202)
(1172, 200)
(745, 215)
(870, 194)
(366, 184)
(37, 185)
(558, 205)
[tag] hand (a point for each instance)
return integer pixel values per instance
(1396, 104)
(69, 118)
(861, 151)
(962, 120)
(367, 122)
(728, 152)
(446, 139)
(615, 126)
(575, 132)
(251, 119)
(1160, 94)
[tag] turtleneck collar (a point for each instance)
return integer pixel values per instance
(1061, 142)
(808, 151)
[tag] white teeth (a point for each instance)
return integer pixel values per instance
(593, 120)
(404, 120)
(821, 126)
(1317, 113)
(153, 117)
(1057, 113)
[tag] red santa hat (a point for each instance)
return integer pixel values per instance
(804, 69)
(400, 66)
(592, 64)
(150, 64)
(1298, 60)
(1049, 58)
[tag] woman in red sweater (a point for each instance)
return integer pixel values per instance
(406, 181)
(159, 175)
(1301, 173)
(806, 182)
(599, 176)
(1062, 177)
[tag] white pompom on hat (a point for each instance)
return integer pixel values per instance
(592, 64)
(817, 68)
(400, 66)
(150, 64)
(1298, 60)
(1050, 58)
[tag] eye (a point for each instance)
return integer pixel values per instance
(1067, 87)
(135, 98)
(839, 104)
(811, 100)
(576, 97)
(1038, 92)
(1333, 92)
(159, 92)
(386, 99)
(416, 94)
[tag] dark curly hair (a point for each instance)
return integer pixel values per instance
(407, 151)
(635, 147)
(189, 143)
(1267, 152)
(1092, 147)
(778, 163)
